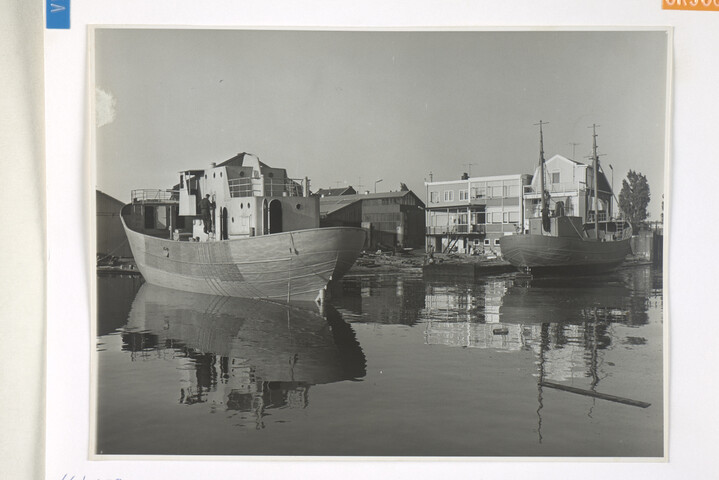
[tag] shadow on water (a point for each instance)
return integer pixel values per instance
(114, 300)
(241, 355)
(387, 299)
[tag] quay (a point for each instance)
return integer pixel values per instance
(443, 266)
(447, 267)
(414, 262)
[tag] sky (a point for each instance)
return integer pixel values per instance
(355, 107)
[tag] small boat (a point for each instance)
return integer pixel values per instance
(238, 229)
(558, 243)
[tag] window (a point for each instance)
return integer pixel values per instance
(497, 217)
(449, 195)
(496, 242)
(486, 241)
(479, 191)
(513, 190)
(505, 217)
(463, 195)
(149, 217)
(161, 216)
(514, 217)
(555, 177)
(497, 192)
(433, 197)
(479, 218)
(463, 219)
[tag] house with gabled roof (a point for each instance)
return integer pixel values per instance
(570, 185)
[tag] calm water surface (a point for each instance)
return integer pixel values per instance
(394, 365)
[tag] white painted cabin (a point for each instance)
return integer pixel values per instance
(250, 198)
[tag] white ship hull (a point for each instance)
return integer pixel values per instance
(289, 265)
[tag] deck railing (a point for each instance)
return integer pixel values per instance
(148, 195)
(249, 187)
(244, 187)
(460, 228)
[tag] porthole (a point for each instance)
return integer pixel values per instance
(270, 174)
(298, 206)
(242, 205)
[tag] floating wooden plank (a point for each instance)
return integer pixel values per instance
(590, 393)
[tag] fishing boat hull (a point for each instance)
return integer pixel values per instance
(289, 265)
(547, 254)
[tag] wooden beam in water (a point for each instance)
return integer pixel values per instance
(590, 393)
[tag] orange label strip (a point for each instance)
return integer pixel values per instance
(701, 5)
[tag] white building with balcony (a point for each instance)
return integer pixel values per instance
(570, 185)
(470, 215)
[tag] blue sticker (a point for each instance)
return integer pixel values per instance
(57, 13)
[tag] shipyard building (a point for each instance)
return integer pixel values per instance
(111, 239)
(392, 219)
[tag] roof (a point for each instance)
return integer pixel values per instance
(332, 204)
(562, 157)
(336, 203)
(333, 192)
(101, 196)
(239, 159)
(602, 181)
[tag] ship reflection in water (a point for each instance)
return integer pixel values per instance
(241, 355)
(568, 324)
(565, 322)
(393, 365)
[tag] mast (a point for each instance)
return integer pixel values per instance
(595, 166)
(545, 208)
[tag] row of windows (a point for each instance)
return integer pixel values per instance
(481, 218)
(487, 242)
(501, 191)
(405, 200)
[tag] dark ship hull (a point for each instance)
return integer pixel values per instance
(544, 254)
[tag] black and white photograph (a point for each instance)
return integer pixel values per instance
(379, 242)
